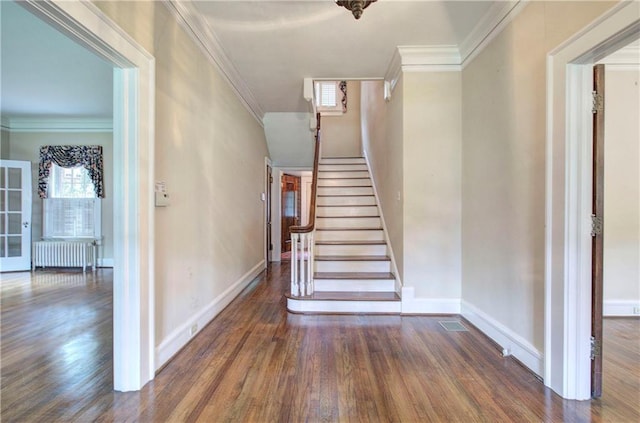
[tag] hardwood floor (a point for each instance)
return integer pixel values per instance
(257, 363)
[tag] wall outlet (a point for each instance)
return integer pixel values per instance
(193, 329)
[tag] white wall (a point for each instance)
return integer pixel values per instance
(291, 142)
(210, 151)
(4, 144)
(503, 171)
(621, 191)
(26, 146)
(432, 197)
(382, 135)
(341, 134)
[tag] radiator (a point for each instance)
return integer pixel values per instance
(63, 254)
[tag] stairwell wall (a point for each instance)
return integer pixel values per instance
(382, 131)
(341, 134)
(210, 150)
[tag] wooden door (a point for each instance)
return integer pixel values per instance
(269, 244)
(290, 208)
(15, 215)
(597, 211)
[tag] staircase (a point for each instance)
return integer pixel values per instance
(352, 269)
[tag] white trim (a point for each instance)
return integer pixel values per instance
(413, 305)
(442, 58)
(105, 262)
(568, 188)
(394, 267)
(499, 15)
(59, 125)
(346, 306)
(134, 114)
(621, 308)
(510, 342)
(629, 55)
(429, 55)
(182, 335)
(191, 20)
(623, 68)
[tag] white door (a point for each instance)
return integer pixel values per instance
(15, 215)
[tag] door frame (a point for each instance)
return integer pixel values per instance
(268, 204)
(133, 144)
(25, 199)
(568, 191)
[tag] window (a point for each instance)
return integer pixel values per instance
(72, 209)
(331, 97)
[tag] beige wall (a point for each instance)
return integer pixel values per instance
(341, 134)
(382, 144)
(432, 199)
(4, 144)
(622, 186)
(210, 152)
(26, 146)
(503, 166)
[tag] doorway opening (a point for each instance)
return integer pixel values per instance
(568, 308)
(133, 222)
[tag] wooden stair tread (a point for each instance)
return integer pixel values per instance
(354, 275)
(348, 296)
(352, 258)
(344, 170)
(346, 217)
(341, 157)
(348, 229)
(342, 177)
(351, 243)
(345, 195)
(345, 186)
(347, 205)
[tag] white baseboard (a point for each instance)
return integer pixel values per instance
(181, 336)
(621, 308)
(413, 305)
(510, 342)
(105, 262)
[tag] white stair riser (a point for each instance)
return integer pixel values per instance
(302, 306)
(347, 285)
(348, 222)
(344, 191)
(347, 201)
(352, 266)
(351, 250)
(340, 175)
(342, 160)
(354, 235)
(361, 182)
(342, 167)
(347, 211)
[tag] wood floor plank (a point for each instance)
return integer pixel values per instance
(257, 363)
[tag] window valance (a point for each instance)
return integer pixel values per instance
(67, 156)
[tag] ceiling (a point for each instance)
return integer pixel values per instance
(45, 74)
(273, 45)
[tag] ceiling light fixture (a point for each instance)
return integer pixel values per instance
(356, 6)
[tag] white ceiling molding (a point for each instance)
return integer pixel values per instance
(492, 23)
(629, 56)
(444, 58)
(196, 27)
(57, 125)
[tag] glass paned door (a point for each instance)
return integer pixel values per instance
(15, 215)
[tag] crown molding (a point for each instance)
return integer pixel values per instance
(628, 56)
(57, 125)
(444, 58)
(499, 15)
(201, 33)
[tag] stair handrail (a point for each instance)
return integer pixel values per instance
(310, 226)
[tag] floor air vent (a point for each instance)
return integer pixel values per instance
(453, 326)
